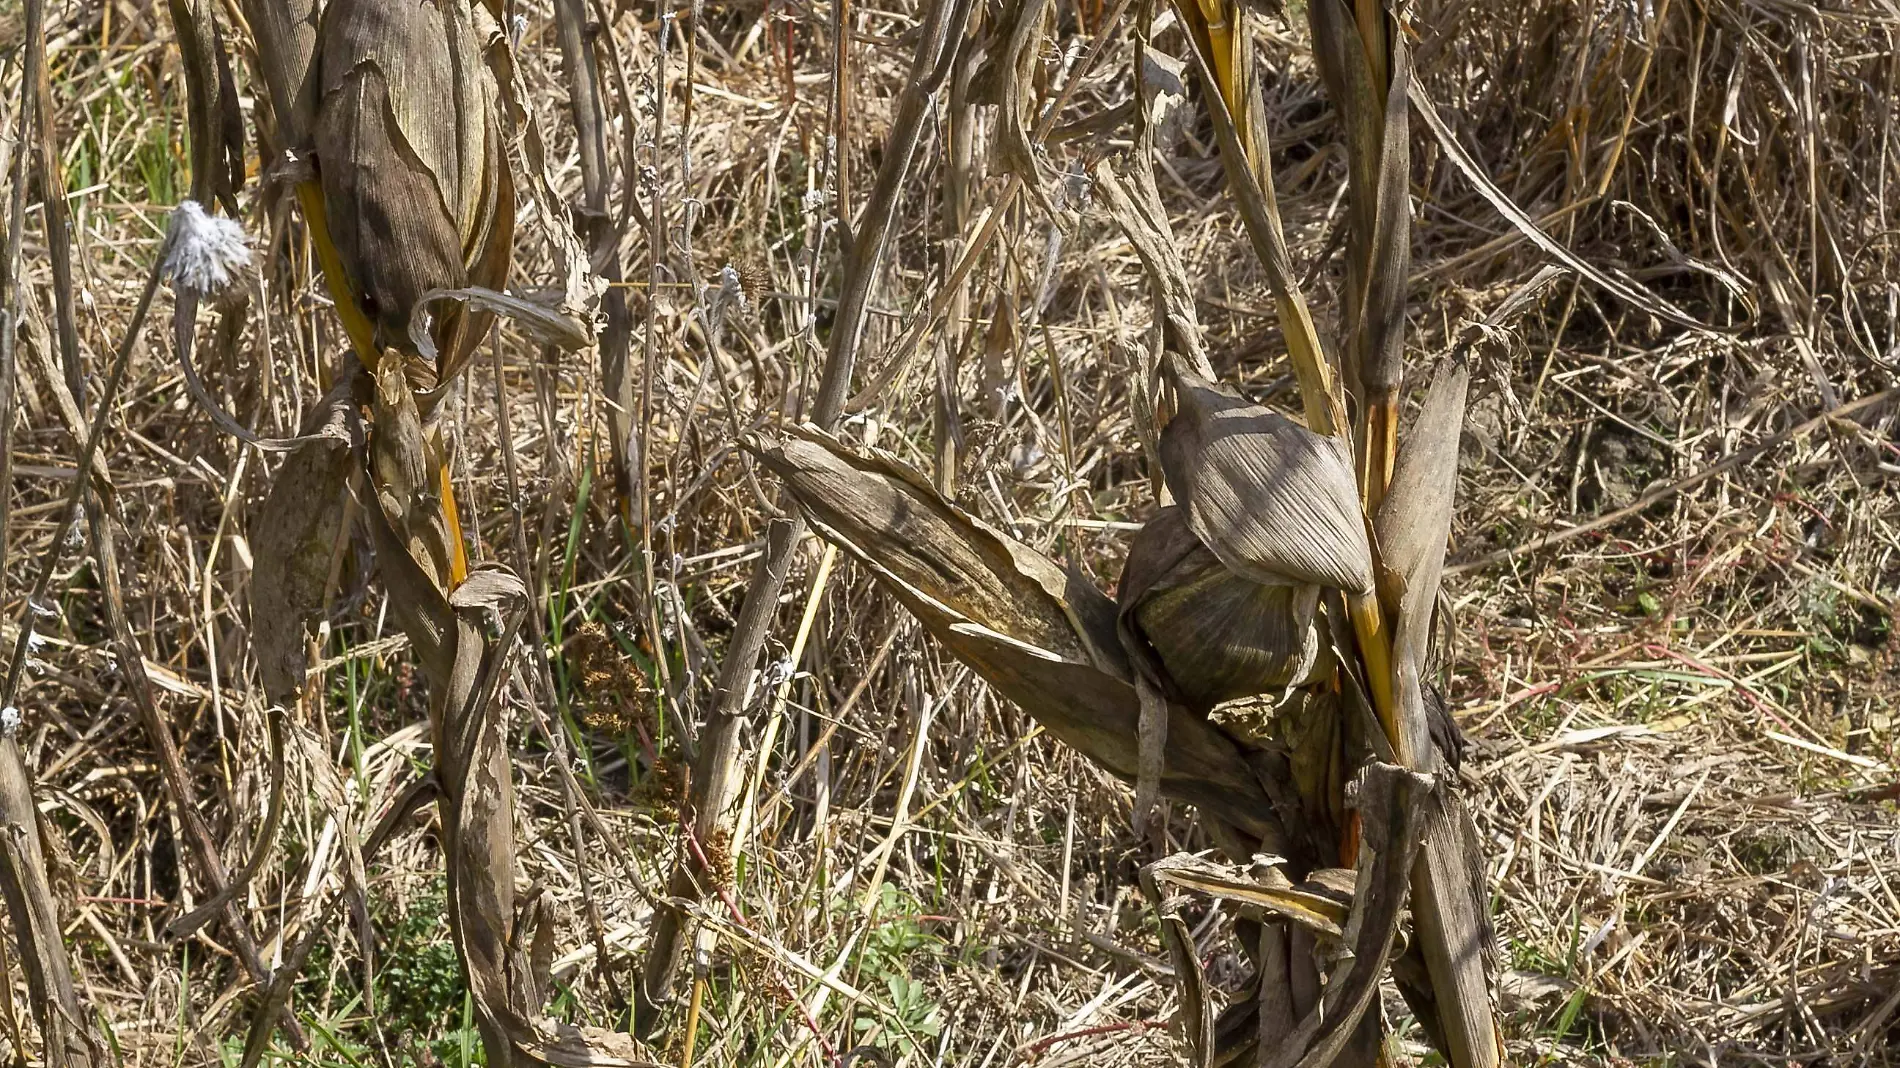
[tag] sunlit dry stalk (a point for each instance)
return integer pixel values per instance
(587, 104)
(718, 771)
(410, 203)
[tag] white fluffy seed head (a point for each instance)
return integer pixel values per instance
(207, 250)
(9, 721)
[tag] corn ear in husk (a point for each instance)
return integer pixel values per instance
(1209, 635)
(414, 171)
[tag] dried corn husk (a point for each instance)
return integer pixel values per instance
(412, 162)
(1273, 500)
(1209, 635)
(1413, 524)
(1042, 636)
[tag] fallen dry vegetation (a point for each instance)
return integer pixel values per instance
(1665, 628)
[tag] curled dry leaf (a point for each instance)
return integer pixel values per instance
(1043, 637)
(405, 469)
(1273, 500)
(293, 539)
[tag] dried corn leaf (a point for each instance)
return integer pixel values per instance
(1135, 205)
(545, 323)
(1016, 70)
(215, 124)
(1372, 103)
(1043, 637)
(406, 472)
(464, 638)
(1450, 912)
(1412, 526)
(892, 515)
(1390, 802)
(293, 540)
(1323, 914)
(1273, 500)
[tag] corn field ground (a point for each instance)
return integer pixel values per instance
(413, 770)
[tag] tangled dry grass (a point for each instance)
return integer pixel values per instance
(1683, 710)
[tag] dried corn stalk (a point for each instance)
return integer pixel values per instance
(1361, 51)
(413, 208)
(1043, 637)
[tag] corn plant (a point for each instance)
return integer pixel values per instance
(1267, 660)
(394, 116)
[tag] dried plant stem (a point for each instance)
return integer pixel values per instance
(92, 484)
(911, 342)
(717, 773)
(23, 884)
(585, 100)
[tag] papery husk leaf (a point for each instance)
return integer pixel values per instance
(1414, 522)
(1212, 635)
(1043, 637)
(294, 538)
(1273, 500)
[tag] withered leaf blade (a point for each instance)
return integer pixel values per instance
(1413, 524)
(293, 538)
(1273, 500)
(1322, 914)
(1042, 637)
(1414, 520)
(891, 515)
(1372, 105)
